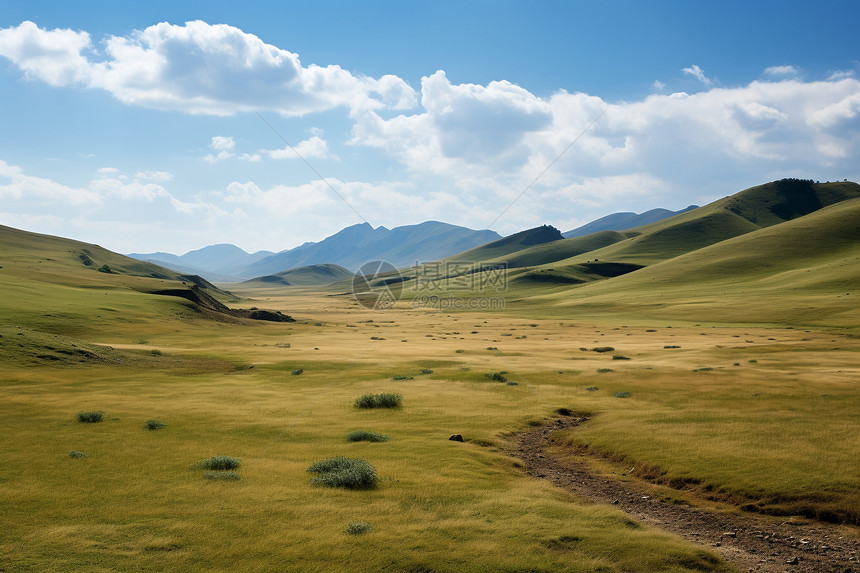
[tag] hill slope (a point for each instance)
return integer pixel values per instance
(312, 275)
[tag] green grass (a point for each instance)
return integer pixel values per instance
(365, 436)
(384, 400)
(348, 473)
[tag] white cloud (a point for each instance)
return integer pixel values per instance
(782, 71)
(222, 143)
(658, 85)
(311, 148)
(698, 73)
(840, 75)
(197, 68)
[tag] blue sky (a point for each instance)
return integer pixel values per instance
(146, 128)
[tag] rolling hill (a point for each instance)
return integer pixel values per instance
(312, 275)
(64, 286)
(791, 243)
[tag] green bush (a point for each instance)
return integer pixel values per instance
(357, 528)
(365, 436)
(604, 370)
(619, 357)
(90, 417)
(104, 269)
(496, 376)
(386, 400)
(402, 377)
(622, 394)
(222, 475)
(344, 472)
(298, 371)
(154, 425)
(426, 371)
(602, 349)
(74, 454)
(220, 463)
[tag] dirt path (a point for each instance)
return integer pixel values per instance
(752, 542)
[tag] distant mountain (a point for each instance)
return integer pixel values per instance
(624, 221)
(350, 248)
(358, 244)
(215, 262)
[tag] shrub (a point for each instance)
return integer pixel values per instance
(492, 348)
(619, 357)
(155, 352)
(74, 454)
(604, 370)
(104, 269)
(365, 436)
(496, 376)
(592, 388)
(402, 377)
(671, 346)
(90, 417)
(459, 351)
(344, 472)
(298, 371)
(602, 349)
(220, 463)
(222, 475)
(622, 394)
(386, 400)
(154, 425)
(426, 371)
(357, 528)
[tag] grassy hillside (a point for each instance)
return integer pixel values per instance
(311, 275)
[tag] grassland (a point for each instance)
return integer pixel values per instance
(732, 376)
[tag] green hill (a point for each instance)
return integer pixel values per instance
(510, 244)
(311, 275)
(63, 286)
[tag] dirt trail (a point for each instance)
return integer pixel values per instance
(751, 542)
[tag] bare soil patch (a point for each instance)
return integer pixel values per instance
(752, 542)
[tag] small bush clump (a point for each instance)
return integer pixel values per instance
(496, 376)
(222, 475)
(622, 394)
(426, 371)
(602, 349)
(402, 377)
(74, 454)
(154, 425)
(349, 473)
(386, 400)
(619, 357)
(357, 528)
(220, 463)
(297, 371)
(592, 388)
(90, 417)
(604, 370)
(365, 436)
(671, 346)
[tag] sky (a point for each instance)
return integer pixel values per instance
(169, 126)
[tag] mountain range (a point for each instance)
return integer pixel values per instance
(358, 244)
(350, 248)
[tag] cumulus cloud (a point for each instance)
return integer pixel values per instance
(698, 73)
(223, 145)
(197, 68)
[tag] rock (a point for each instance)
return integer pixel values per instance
(792, 561)
(456, 438)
